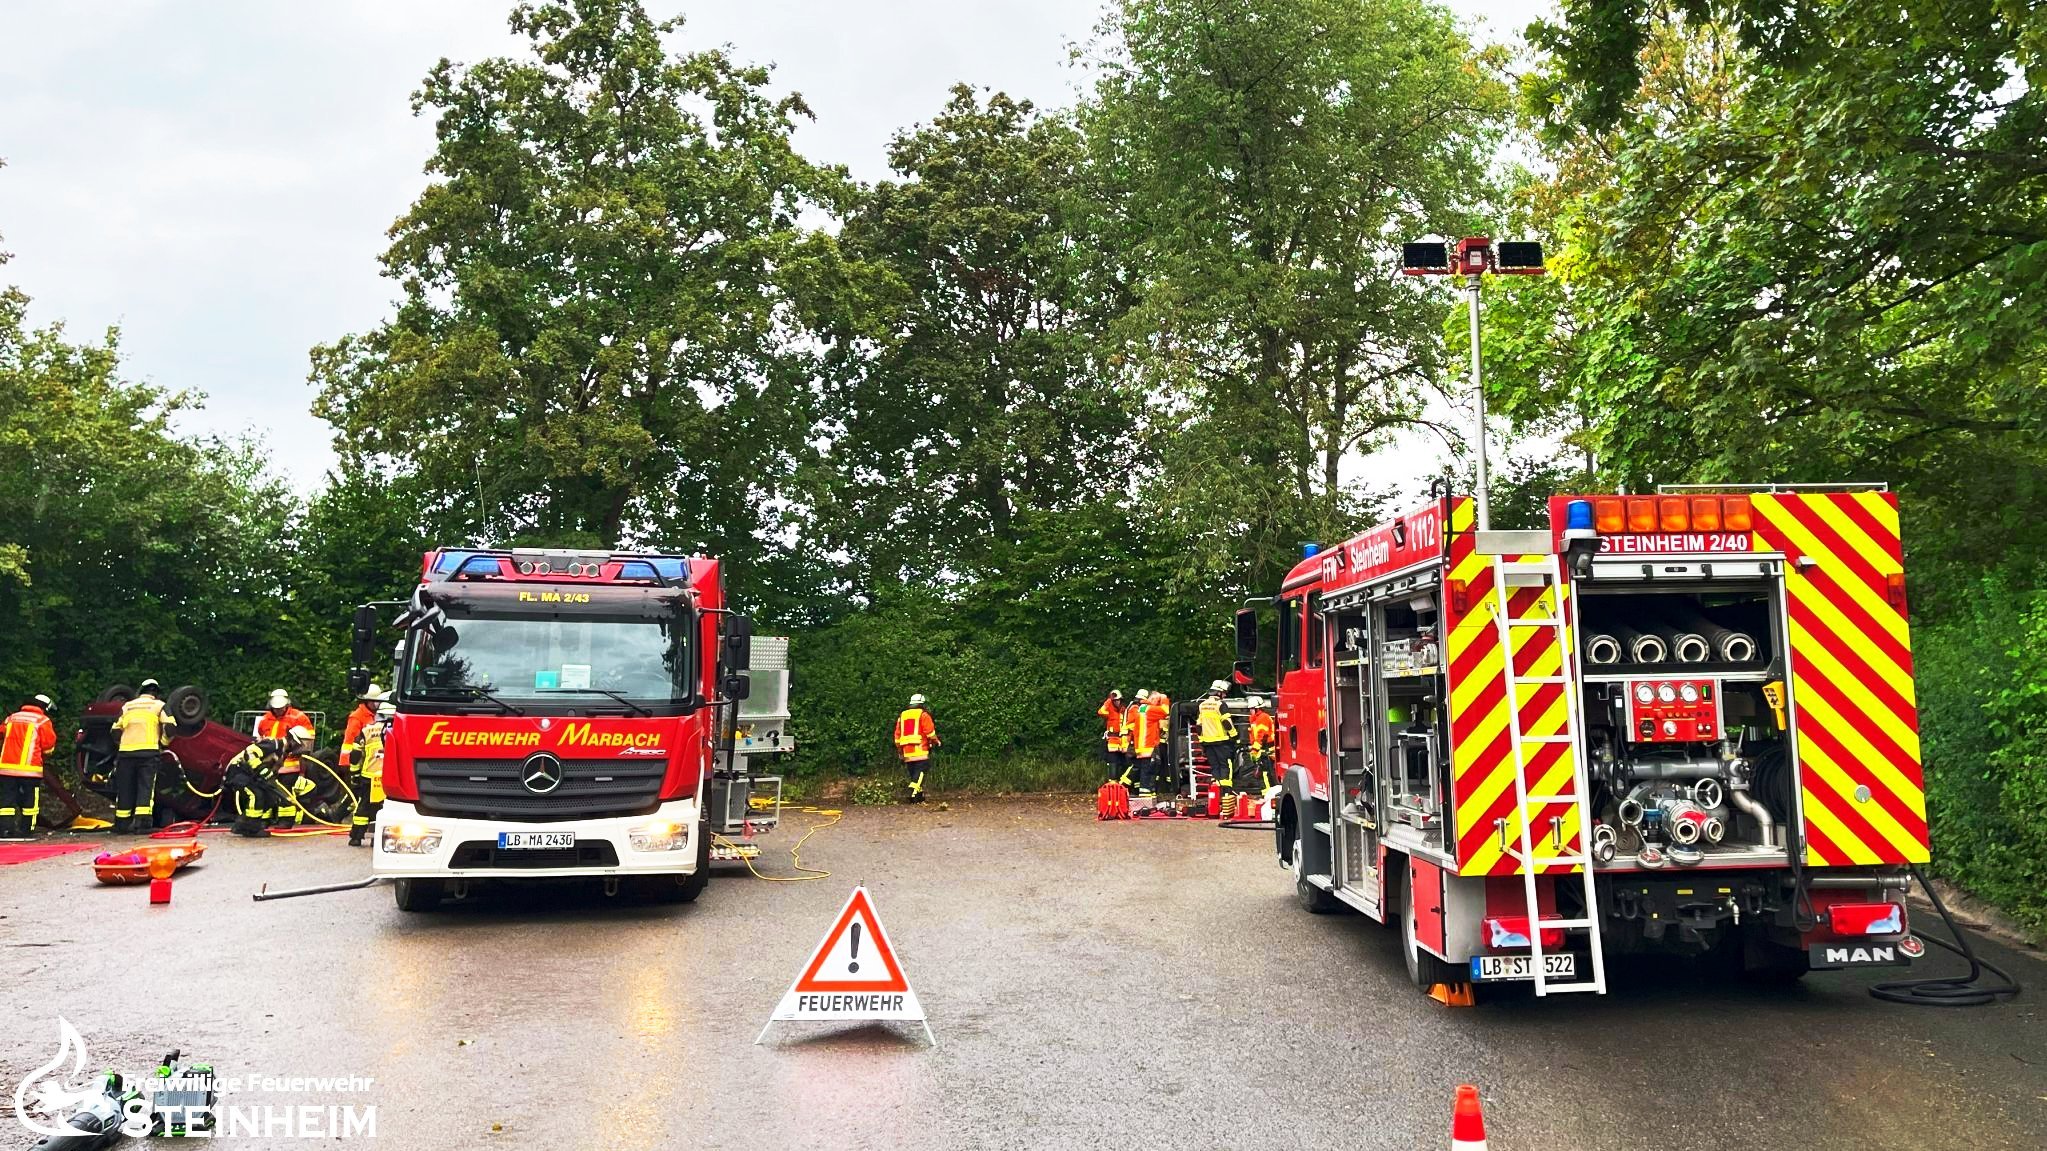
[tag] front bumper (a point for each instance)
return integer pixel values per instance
(468, 847)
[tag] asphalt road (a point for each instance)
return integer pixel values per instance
(1090, 986)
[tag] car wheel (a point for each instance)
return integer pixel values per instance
(418, 894)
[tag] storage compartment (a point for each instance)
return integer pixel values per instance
(1684, 723)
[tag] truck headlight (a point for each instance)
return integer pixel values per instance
(411, 839)
(668, 835)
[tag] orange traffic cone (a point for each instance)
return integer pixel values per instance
(1467, 1122)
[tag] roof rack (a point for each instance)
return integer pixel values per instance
(1853, 486)
(663, 570)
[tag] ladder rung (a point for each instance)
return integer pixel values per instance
(1544, 739)
(1521, 679)
(1514, 853)
(1534, 621)
(1571, 797)
(1564, 924)
(1525, 565)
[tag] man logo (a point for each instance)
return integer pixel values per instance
(541, 773)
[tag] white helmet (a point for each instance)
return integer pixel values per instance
(1143, 693)
(372, 693)
(280, 698)
(916, 701)
(1218, 685)
(386, 709)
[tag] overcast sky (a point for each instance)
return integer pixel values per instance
(216, 177)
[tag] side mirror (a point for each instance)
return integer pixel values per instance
(738, 685)
(736, 654)
(358, 679)
(1247, 636)
(363, 635)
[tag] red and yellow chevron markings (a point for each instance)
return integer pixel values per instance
(1856, 712)
(1481, 740)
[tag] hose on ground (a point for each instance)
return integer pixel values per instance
(832, 814)
(1949, 990)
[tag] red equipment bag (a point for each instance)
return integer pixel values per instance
(1112, 801)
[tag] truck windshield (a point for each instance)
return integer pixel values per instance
(567, 661)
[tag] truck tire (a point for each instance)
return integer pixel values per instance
(1311, 898)
(418, 894)
(1773, 964)
(117, 693)
(1422, 966)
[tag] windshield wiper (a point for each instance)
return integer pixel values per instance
(474, 691)
(599, 690)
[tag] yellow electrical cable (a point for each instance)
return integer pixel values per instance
(796, 852)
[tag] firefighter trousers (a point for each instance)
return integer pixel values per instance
(1145, 770)
(1118, 761)
(20, 797)
(135, 790)
(915, 769)
(369, 798)
(1221, 755)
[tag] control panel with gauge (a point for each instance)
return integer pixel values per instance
(1673, 710)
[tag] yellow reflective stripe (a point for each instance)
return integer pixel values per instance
(1817, 815)
(1818, 763)
(1838, 625)
(1852, 741)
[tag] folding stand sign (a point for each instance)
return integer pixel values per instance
(853, 974)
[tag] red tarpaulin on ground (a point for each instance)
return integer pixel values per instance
(30, 852)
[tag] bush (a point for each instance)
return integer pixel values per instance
(1982, 678)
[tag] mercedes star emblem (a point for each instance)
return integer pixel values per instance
(541, 773)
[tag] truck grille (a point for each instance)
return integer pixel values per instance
(490, 789)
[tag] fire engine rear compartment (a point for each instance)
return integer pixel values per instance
(1686, 755)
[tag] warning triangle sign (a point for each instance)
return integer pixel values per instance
(853, 974)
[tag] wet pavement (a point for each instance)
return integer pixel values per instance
(1090, 986)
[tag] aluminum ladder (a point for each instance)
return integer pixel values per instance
(1547, 574)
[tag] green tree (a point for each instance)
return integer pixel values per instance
(592, 342)
(1262, 158)
(965, 387)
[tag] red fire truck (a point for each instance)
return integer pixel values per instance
(1680, 722)
(560, 714)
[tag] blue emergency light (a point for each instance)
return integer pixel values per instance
(1310, 550)
(1578, 516)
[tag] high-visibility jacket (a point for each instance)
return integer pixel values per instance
(26, 737)
(1215, 723)
(144, 725)
(1111, 712)
(916, 735)
(1262, 730)
(351, 733)
(1150, 720)
(293, 729)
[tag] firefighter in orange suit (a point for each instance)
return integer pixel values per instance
(1144, 746)
(143, 730)
(916, 738)
(1115, 744)
(1260, 739)
(365, 713)
(25, 738)
(292, 730)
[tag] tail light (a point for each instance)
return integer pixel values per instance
(1460, 596)
(1705, 514)
(1670, 513)
(1608, 516)
(1641, 514)
(1894, 589)
(1734, 513)
(1865, 919)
